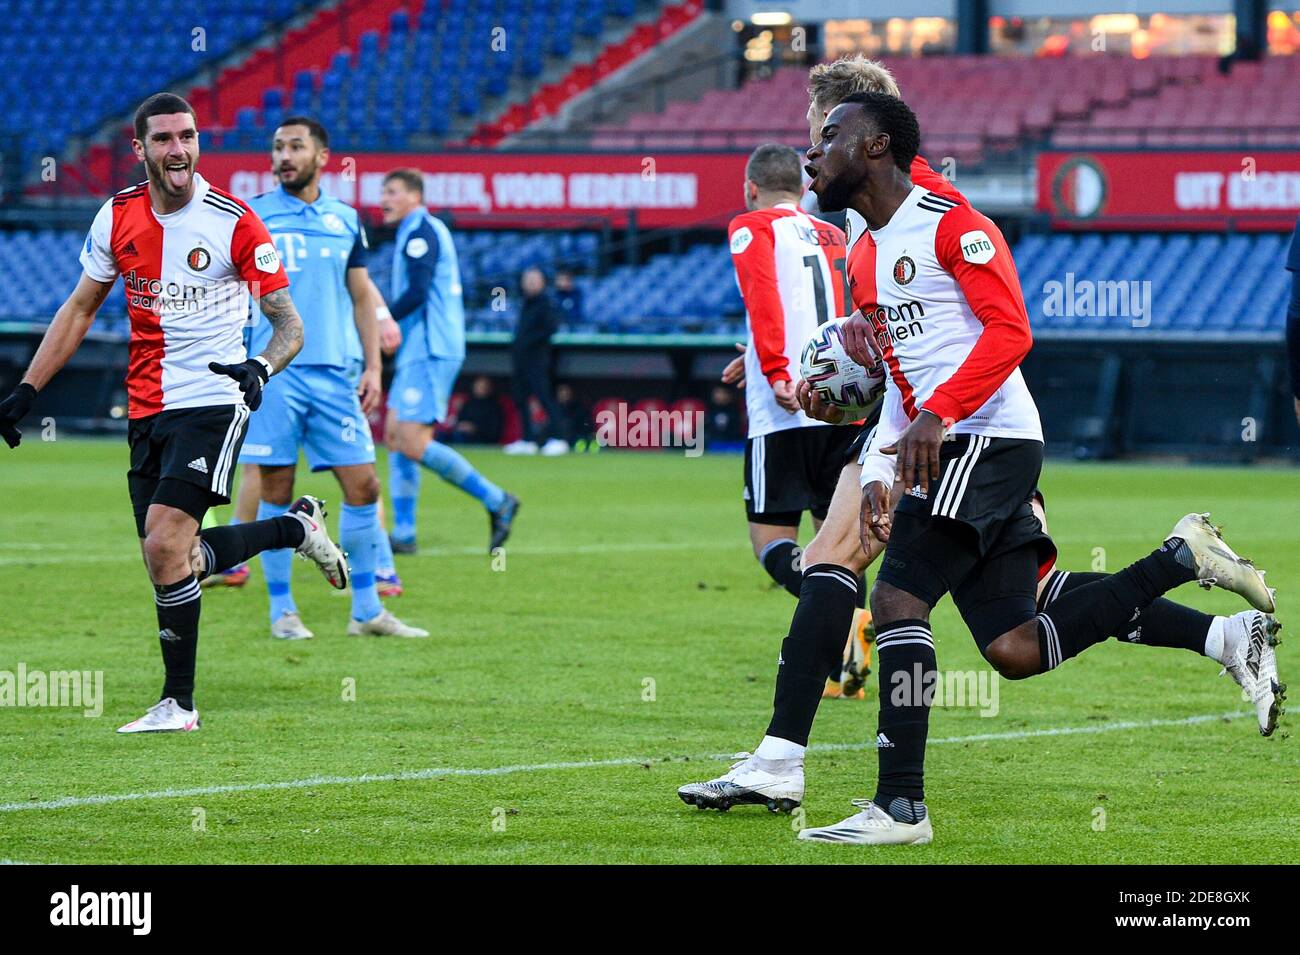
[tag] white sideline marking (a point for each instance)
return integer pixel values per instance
(67, 802)
(82, 556)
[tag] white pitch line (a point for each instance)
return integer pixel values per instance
(69, 802)
(119, 557)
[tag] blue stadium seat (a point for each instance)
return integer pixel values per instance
(1195, 284)
(1198, 284)
(446, 50)
(72, 76)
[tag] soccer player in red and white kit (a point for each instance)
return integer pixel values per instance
(774, 774)
(190, 256)
(959, 430)
(791, 271)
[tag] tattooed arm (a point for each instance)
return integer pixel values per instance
(286, 337)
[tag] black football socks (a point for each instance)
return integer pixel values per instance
(178, 634)
(1089, 614)
(781, 558)
(906, 660)
(1162, 623)
(230, 545)
(814, 649)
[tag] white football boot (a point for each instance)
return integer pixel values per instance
(1218, 566)
(872, 827)
(290, 627)
(774, 783)
(1248, 657)
(164, 717)
(384, 624)
(521, 447)
(555, 447)
(316, 546)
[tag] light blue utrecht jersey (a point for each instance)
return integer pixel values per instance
(318, 242)
(426, 296)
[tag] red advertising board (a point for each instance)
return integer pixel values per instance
(1241, 189)
(511, 188)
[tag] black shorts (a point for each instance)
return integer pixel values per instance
(196, 446)
(792, 471)
(974, 535)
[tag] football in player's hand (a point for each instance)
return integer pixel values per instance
(837, 378)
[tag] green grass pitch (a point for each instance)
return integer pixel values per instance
(565, 696)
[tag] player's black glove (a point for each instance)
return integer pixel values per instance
(251, 375)
(12, 410)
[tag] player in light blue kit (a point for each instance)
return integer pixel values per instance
(319, 404)
(426, 302)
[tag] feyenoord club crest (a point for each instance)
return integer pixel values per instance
(199, 259)
(904, 270)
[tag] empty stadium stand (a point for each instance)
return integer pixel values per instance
(976, 108)
(1254, 105)
(1200, 285)
(386, 75)
(1194, 285)
(106, 72)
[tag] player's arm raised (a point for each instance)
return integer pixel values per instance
(66, 331)
(363, 313)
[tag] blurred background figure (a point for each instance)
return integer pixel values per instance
(568, 298)
(574, 422)
(723, 423)
(426, 301)
(479, 420)
(532, 359)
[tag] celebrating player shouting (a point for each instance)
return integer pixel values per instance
(189, 256)
(960, 431)
(773, 775)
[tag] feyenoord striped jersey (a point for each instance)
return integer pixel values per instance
(187, 276)
(922, 174)
(940, 287)
(791, 272)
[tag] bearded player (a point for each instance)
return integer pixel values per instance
(773, 774)
(320, 404)
(960, 432)
(190, 256)
(836, 541)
